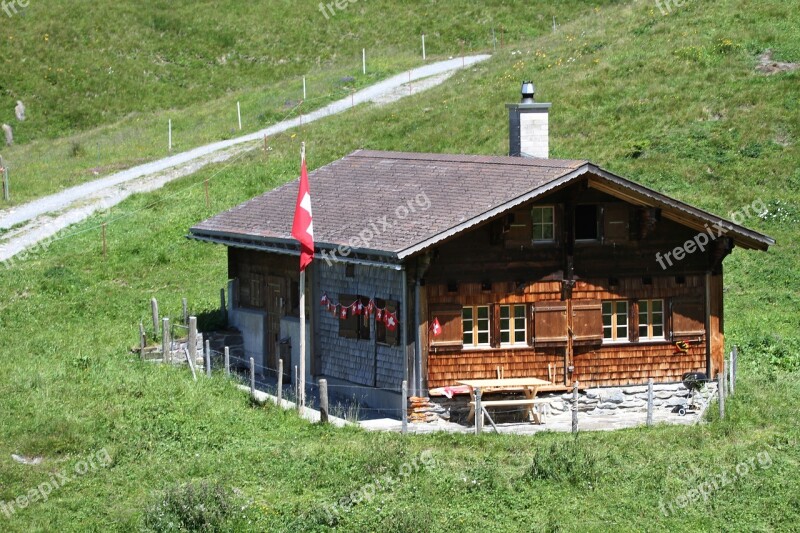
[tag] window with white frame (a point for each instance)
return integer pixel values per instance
(475, 321)
(543, 224)
(513, 325)
(651, 319)
(615, 321)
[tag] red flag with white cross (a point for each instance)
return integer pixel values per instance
(303, 227)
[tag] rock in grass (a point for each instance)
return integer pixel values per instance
(9, 134)
(20, 111)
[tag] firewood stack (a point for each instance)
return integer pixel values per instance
(422, 410)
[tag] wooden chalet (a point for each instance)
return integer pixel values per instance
(555, 269)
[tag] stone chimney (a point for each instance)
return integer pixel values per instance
(528, 126)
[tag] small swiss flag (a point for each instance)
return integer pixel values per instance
(436, 327)
(343, 314)
(391, 321)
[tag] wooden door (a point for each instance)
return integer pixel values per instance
(274, 314)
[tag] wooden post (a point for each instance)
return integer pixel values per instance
(239, 113)
(721, 393)
(304, 87)
(575, 407)
(323, 401)
(154, 308)
(364, 60)
(649, 402)
(404, 408)
(296, 391)
(104, 240)
(170, 135)
(463, 61)
(185, 305)
(227, 362)
(280, 381)
(6, 184)
(423, 47)
(142, 339)
(208, 358)
(494, 40)
(208, 199)
(734, 367)
(478, 412)
(165, 343)
(192, 342)
(252, 378)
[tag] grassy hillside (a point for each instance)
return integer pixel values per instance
(102, 79)
(673, 102)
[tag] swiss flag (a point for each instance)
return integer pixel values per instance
(343, 314)
(436, 328)
(391, 321)
(303, 227)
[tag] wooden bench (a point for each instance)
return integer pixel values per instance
(530, 403)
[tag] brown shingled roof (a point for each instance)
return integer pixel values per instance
(362, 192)
(353, 194)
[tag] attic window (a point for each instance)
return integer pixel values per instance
(586, 227)
(543, 224)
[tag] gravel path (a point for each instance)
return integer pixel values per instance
(36, 221)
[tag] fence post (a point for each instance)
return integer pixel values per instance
(280, 381)
(192, 342)
(423, 47)
(478, 412)
(721, 393)
(165, 344)
(364, 60)
(239, 113)
(404, 409)
(575, 407)
(649, 402)
(169, 142)
(323, 401)
(6, 184)
(208, 358)
(227, 362)
(142, 339)
(734, 366)
(154, 308)
(185, 304)
(296, 391)
(252, 378)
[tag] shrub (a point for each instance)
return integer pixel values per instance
(191, 507)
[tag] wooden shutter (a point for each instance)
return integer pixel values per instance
(550, 323)
(449, 316)
(587, 321)
(382, 333)
(348, 327)
(688, 316)
(616, 223)
(519, 229)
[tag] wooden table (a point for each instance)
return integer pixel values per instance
(529, 386)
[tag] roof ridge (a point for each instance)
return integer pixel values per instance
(471, 158)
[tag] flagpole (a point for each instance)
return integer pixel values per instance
(301, 401)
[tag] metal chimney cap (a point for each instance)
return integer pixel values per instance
(528, 91)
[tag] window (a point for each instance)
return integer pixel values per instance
(512, 325)
(383, 334)
(615, 321)
(475, 321)
(353, 326)
(651, 319)
(543, 224)
(586, 223)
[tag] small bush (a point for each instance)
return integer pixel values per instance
(190, 507)
(565, 461)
